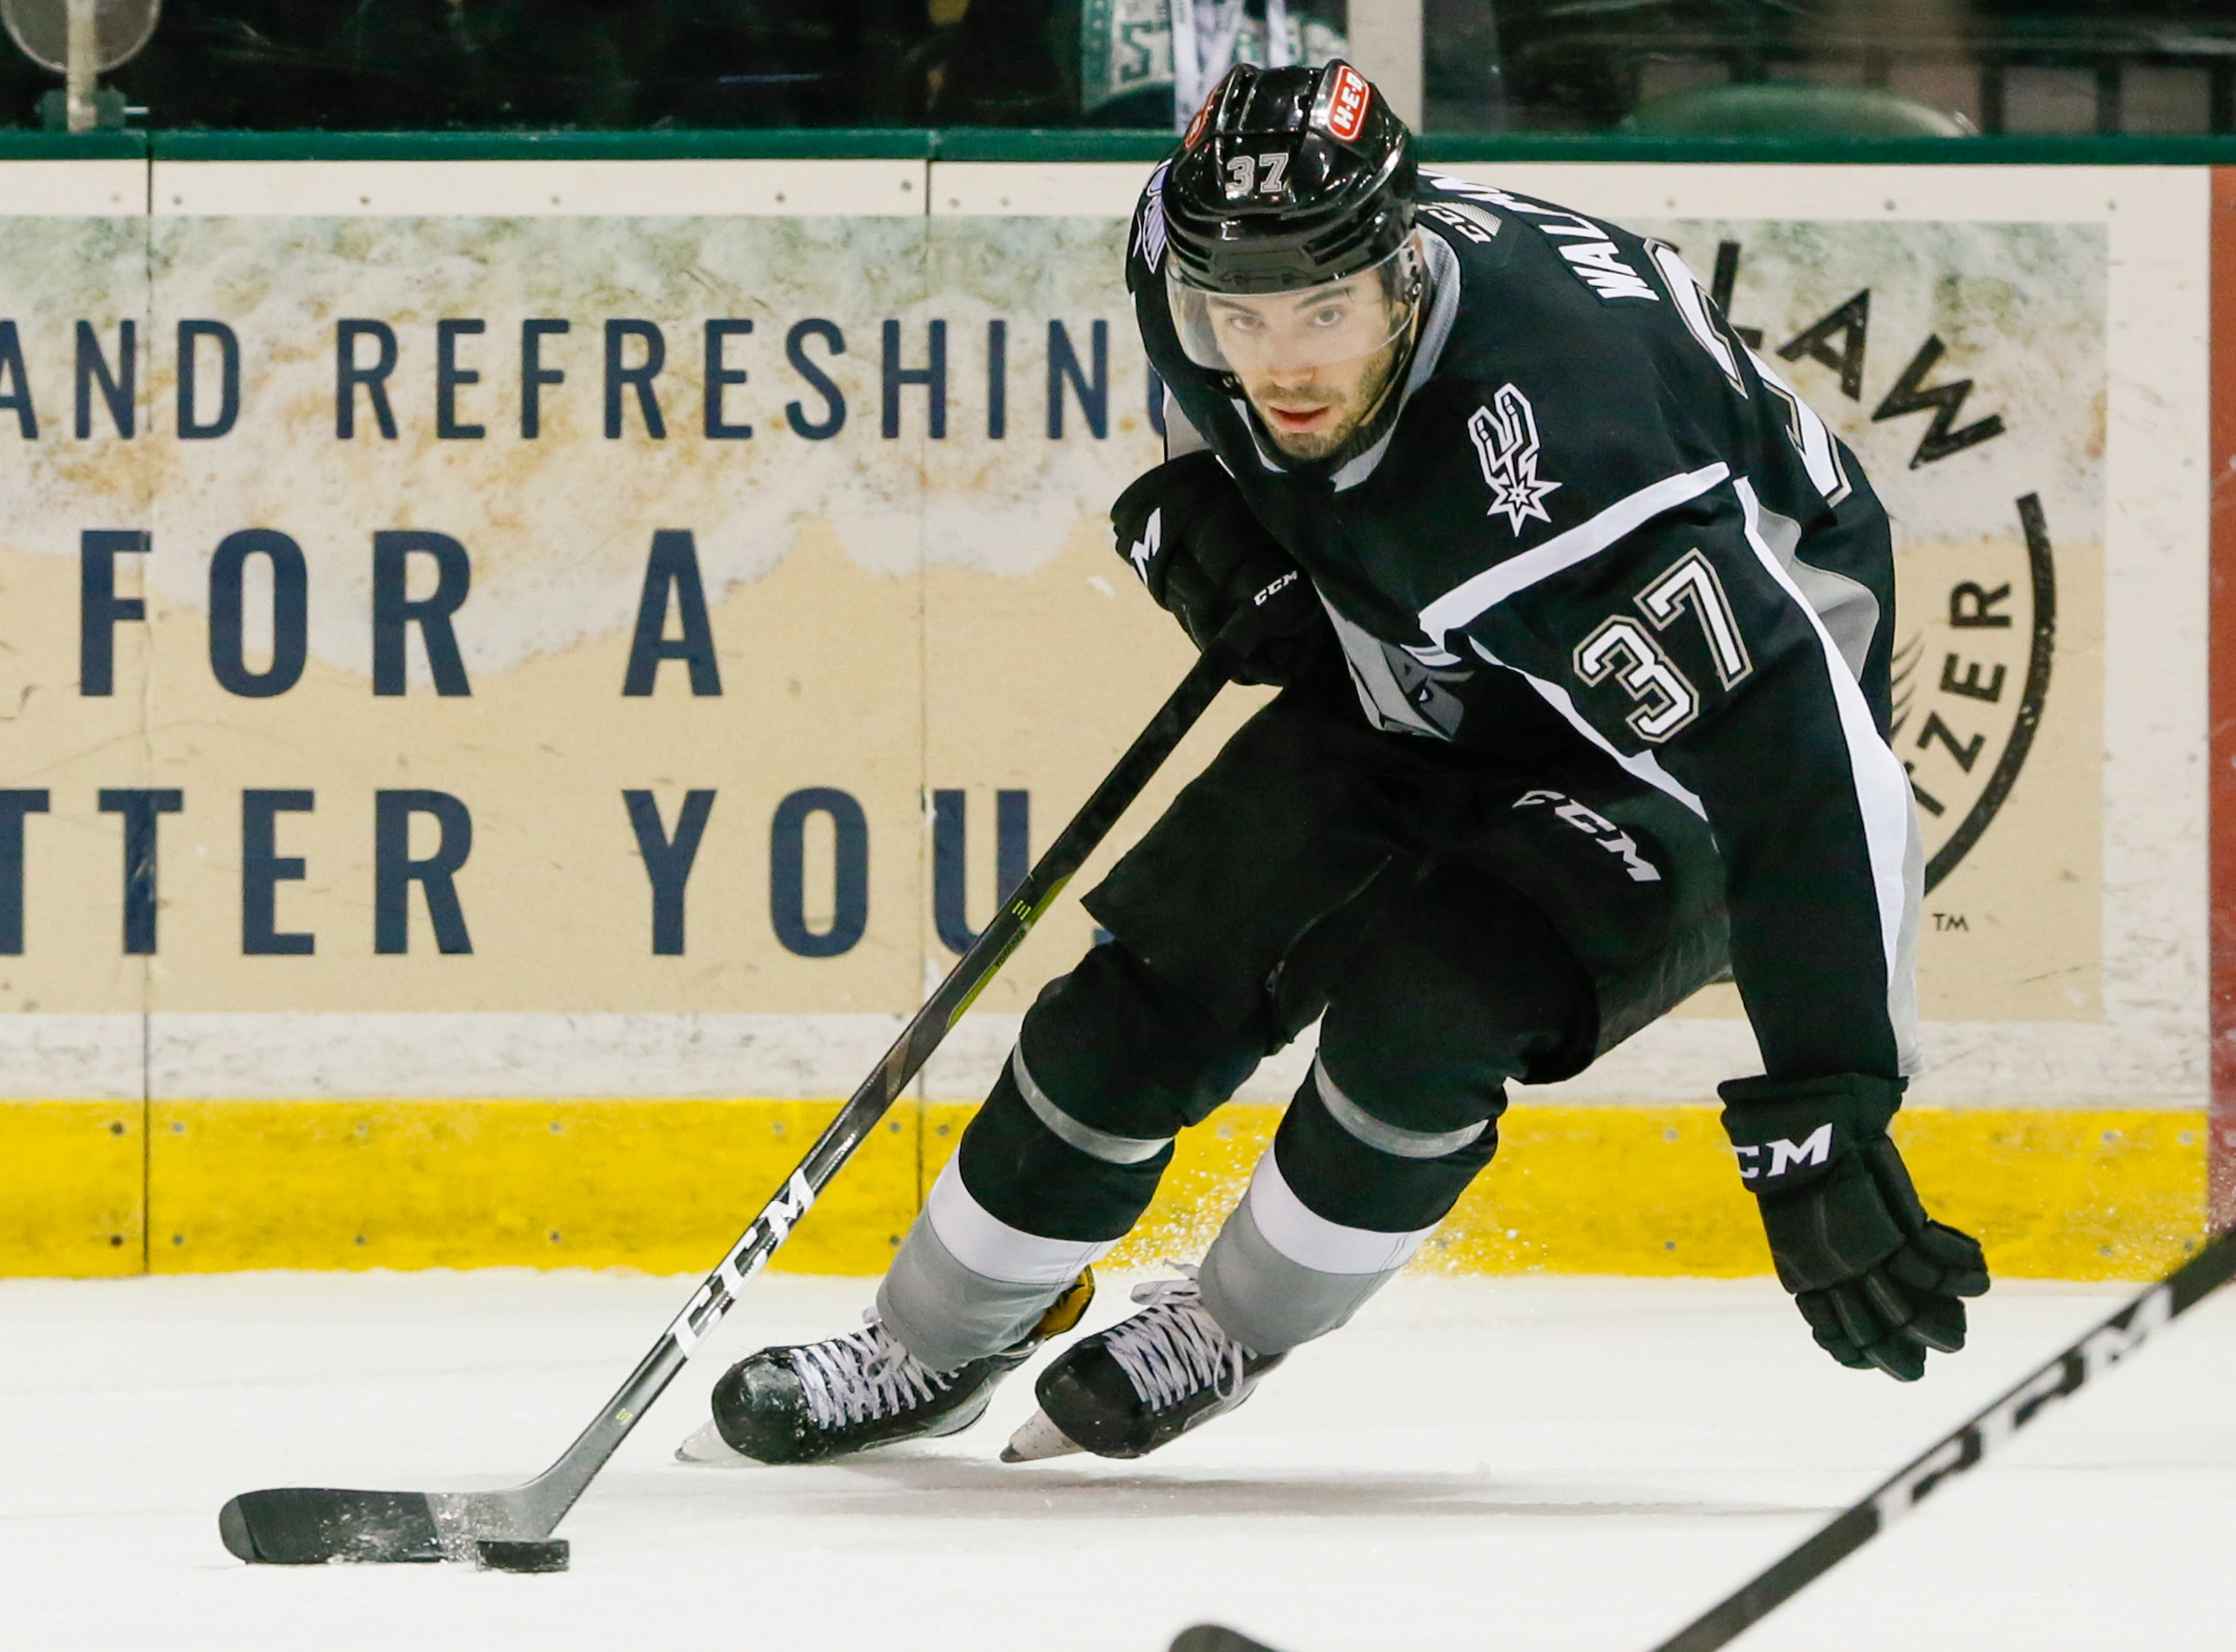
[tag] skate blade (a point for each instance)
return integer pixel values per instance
(706, 1445)
(1038, 1439)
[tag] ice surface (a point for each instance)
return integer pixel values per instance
(1533, 1464)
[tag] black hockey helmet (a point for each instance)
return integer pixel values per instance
(1288, 178)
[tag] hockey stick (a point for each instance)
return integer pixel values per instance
(1964, 1446)
(304, 1526)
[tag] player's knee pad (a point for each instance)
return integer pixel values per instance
(1459, 987)
(1118, 1050)
(1111, 1064)
(1390, 1159)
(1035, 1167)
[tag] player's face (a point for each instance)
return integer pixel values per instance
(1314, 363)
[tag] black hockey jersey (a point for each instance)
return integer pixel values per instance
(1595, 511)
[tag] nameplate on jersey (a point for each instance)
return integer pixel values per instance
(1585, 246)
(1470, 223)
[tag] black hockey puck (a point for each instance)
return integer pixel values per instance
(508, 1555)
(1215, 1637)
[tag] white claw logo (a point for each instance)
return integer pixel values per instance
(1506, 443)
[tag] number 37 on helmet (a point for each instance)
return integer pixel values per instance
(1288, 216)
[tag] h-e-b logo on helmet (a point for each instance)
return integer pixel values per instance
(1347, 105)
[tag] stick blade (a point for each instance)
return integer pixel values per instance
(1215, 1637)
(298, 1525)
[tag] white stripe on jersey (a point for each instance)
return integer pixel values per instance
(1645, 765)
(1820, 453)
(1684, 289)
(1487, 590)
(1882, 798)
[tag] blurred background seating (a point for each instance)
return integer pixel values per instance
(2158, 68)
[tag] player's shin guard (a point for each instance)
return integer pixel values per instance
(954, 1294)
(1062, 1158)
(1032, 1197)
(1337, 1206)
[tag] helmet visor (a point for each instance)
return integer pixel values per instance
(1253, 333)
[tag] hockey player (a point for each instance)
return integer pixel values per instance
(1617, 608)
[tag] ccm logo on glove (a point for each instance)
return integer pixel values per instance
(1879, 1281)
(1815, 1148)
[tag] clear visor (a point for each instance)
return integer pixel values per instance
(1252, 334)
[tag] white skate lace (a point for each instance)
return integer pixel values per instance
(1176, 1348)
(862, 1377)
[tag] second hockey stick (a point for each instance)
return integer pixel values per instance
(315, 1525)
(1965, 1447)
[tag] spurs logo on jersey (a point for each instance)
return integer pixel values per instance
(1506, 444)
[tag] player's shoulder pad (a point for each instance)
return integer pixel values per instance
(1608, 261)
(1534, 475)
(1546, 447)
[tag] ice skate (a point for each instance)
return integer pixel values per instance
(1124, 1392)
(817, 1401)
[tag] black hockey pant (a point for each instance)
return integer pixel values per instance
(1459, 923)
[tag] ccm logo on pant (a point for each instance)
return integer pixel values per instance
(1610, 836)
(1275, 588)
(1813, 1149)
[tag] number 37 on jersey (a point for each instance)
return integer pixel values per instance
(1631, 651)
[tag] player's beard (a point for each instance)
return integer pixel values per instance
(1354, 401)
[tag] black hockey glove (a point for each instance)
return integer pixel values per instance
(1186, 531)
(1878, 1281)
